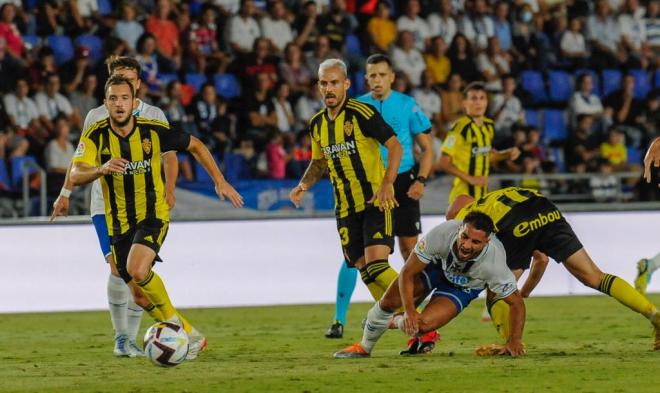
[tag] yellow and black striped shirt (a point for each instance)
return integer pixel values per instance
(138, 193)
(469, 147)
(350, 144)
(498, 204)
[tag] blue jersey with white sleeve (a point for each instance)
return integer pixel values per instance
(403, 114)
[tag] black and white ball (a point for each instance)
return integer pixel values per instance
(166, 344)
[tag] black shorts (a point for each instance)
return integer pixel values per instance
(150, 233)
(536, 224)
(407, 217)
(360, 230)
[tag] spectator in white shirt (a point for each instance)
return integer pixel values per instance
(308, 105)
(127, 28)
(506, 109)
(406, 58)
(412, 22)
(604, 36)
(442, 24)
(275, 26)
(572, 45)
(493, 65)
(58, 155)
(52, 103)
(633, 30)
(584, 102)
(243, 29)
(652, 25)
(427, 98)
(283, 110)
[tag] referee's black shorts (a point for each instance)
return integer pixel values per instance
(536, 224)
(407, 217)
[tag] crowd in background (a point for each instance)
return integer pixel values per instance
(572, 83)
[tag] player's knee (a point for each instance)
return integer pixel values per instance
(137, 272)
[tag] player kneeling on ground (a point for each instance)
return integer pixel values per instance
(454, 263)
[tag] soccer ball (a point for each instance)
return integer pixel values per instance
(166, 344)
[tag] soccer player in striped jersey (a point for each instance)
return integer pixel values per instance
(467, 151)
(346, 138)
(124, 151)
(411, 126)
(125, 300)
(528, 222)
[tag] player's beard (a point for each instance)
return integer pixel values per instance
(121, 124)
(337, 99)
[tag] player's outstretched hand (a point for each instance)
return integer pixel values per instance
(385, 197)
(411, 323)
(652, 157)
(478, 181)
(60, 207)
(225, 190)
(515, 348)
(115, 166)
(296, 195)
(416, 191)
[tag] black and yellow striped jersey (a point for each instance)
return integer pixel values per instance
(138, 193)
(497, 204)
(469, 147)
(350, 144)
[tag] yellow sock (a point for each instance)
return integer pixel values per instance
(499, 313)
(154, 312)
(382, 273)
(155, 291)
(373, 287)
(626, 295)
(184, 323)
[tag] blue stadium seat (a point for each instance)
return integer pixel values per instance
(94, 44)
(235, 167)
(634, 155)
(656, 84)
(358, 83)
(17, 170)
(642, 83)
(560, 86)
(594, 78)
(227, 85)
(557, 156)
(196, 80)
(167, 78)
(200, 173)
(352, 45)
(532, 117)
(31, 40)
(5, 181)
(62, 48)
(611, 81)
(532, 81)
(105, 7)
(554, 125)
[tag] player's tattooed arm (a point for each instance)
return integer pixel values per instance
(314, 172)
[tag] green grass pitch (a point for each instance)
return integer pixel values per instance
(575, 344)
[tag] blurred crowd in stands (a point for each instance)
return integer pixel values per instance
(573, 83)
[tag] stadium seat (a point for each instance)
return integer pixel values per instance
(200, 173)
(634, 155)
(656, 78)
(557, 156)
(359, 83)
(105, 7)
(532, 117)
(235, 167)
(594, 78)
(196, 80)
(352, 45)
(642, 83)
(227, 85)
(611, 81)
(31, 40)
(167, 78)
(5, 181)
(94, 44)
(560, 86)
(554, 125)
(17, 170)
(532, 82)
(62, 48)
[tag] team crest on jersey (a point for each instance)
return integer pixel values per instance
(348, 127)
(80, 150)
(146, 145)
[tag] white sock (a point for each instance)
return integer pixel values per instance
(118, 294)
(133, 318)
(377, 322)
(653, 263)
